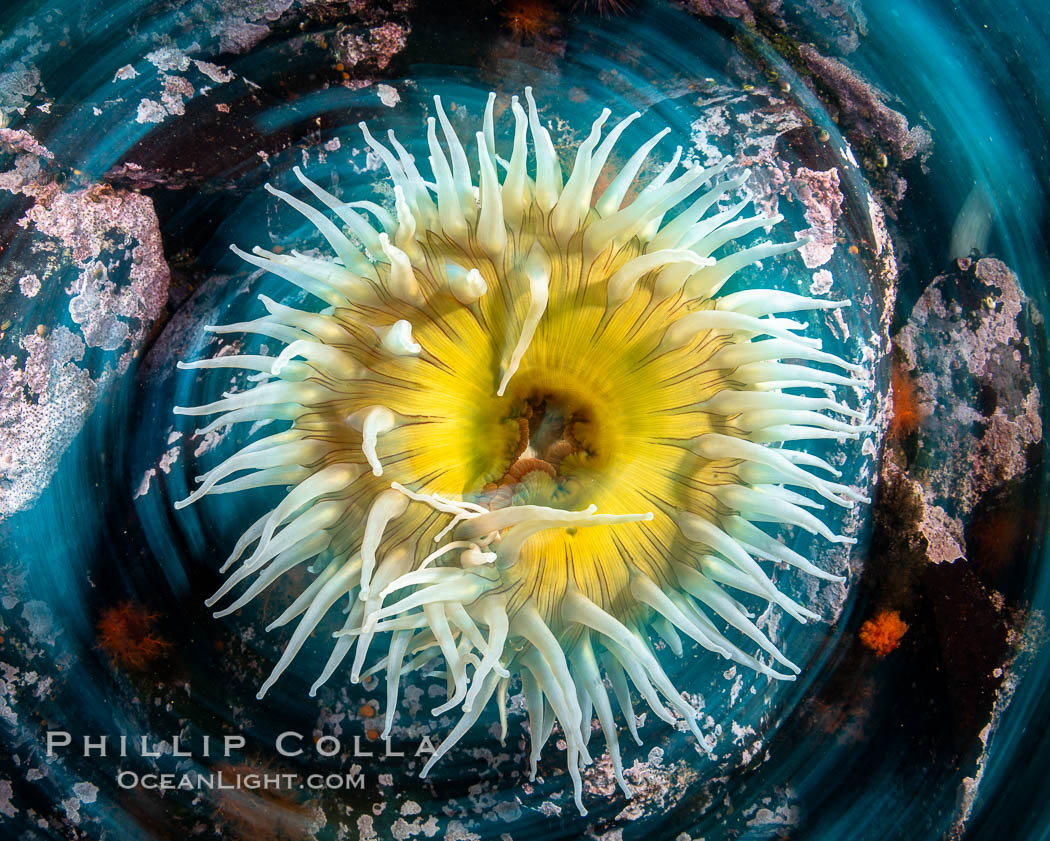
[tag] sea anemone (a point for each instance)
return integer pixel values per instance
(527, 438)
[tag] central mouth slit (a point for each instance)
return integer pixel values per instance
(536, 473)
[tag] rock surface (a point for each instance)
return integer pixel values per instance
(82, 285)
(956, 514)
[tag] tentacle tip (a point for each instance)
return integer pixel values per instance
(182, 503)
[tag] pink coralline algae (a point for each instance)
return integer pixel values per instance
(102, 250)
(766, 120)
(738, 9)
(955, 349)
(82, 221)
(379, 45)
(23, 141)
(863, 104)
(820, 194)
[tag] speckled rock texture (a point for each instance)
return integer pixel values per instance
(82, 287)
(967, 350)
(956, 509)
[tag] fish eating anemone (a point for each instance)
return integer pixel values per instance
(527, 437)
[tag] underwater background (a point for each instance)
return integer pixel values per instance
(909, 139)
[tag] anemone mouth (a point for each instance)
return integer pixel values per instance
(558, 454)
(527, 436)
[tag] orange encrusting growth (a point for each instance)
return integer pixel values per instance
(883, 633)
(531, 18)
(907, 411)
(127, 634)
